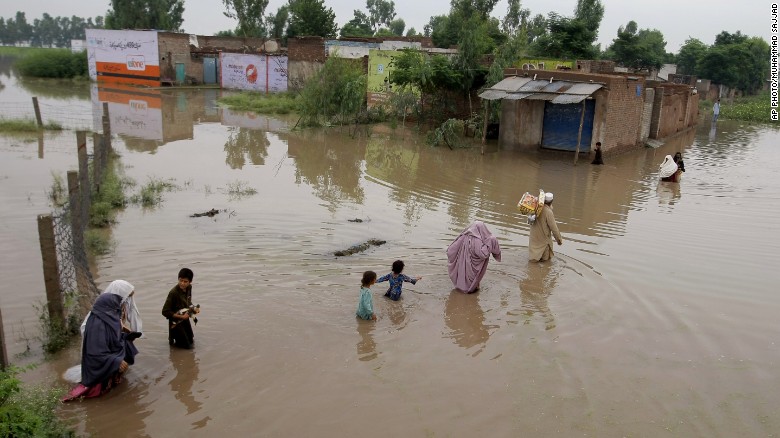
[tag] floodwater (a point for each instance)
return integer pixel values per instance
(655, 318)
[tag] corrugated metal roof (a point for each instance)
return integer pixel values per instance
(501, 89)
(558, 92)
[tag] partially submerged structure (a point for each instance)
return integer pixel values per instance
(571, 111)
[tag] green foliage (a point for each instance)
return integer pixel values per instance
(26, 125)
(249, 14)
(48, 31)
(690, 55)
(145, 14)
(590, 12)
(277, 23)
(29, 411)
(311, 18)
(110, 197)
(638, 49)
(240, 189)
(336, 95)
(450, 133)
(281, 103)
(54, 63)
(380, 13)
(98, 242)
(567, 38)
(736, 61)
(750, 108)
(151, 192)
(59, 193)
(358, 26)
(55, 333)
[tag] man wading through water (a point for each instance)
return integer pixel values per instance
(540, 246)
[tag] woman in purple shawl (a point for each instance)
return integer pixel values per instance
(107, 350)
(468, 256)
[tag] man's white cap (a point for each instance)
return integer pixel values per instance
(548, 197)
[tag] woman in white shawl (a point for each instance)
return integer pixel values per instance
(130, 320)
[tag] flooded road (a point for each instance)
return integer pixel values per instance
(655, 317)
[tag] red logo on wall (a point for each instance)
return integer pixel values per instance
(251, 73)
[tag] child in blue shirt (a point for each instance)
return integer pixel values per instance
(365, 308)
(396, 280)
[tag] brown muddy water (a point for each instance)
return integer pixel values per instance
(655, 318)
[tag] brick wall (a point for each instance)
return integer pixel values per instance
(174, 48)
(309, 49)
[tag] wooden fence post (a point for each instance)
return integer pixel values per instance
(51, 270)
(3, 352)
(106, 128)
(37, 112)
(84, 186)
(97, 161)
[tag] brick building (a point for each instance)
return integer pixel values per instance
(546, 108)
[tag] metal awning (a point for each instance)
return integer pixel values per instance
(516, 88)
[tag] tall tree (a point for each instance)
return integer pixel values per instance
(277, 22)
(311, 18)
(250, 16)
(567, 38)
(690, 55)
(638, 49)
(737, 61)
(590, 12)
(358, 26)
(380, 13)
(145, 14)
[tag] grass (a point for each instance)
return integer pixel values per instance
(110, 198)
(279, 103)
(240, 189)
(20, 51)
(98, 242)
(29, 411)
(151, 192)
(59, 193)
(26, 125)
(754, 108)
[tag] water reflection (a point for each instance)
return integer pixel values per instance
(186, 365)
(466, 320)
(246, 143)
(535, 288)
(125, 407)
(332, 170)
(366, 347)
(668, 192)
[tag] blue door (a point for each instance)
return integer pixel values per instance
(180, 73)
(562, 123)
(209, 70)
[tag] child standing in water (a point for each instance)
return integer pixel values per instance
(365, 308)
(396, 280)
(180, 332)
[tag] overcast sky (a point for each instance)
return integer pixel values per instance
(676, 19)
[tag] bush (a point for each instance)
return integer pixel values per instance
(54, 63)
(337, 95)
(29, 411)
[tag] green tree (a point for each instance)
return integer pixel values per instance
(250, 14)
(736, 61)
(397, 27)
(590, 12)
(145, 14)
(639, 49)
(277, 23)
(412, 32)
(311, 18)
(690, 54)
(358, 26)
(567, 38)
(380, 13)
